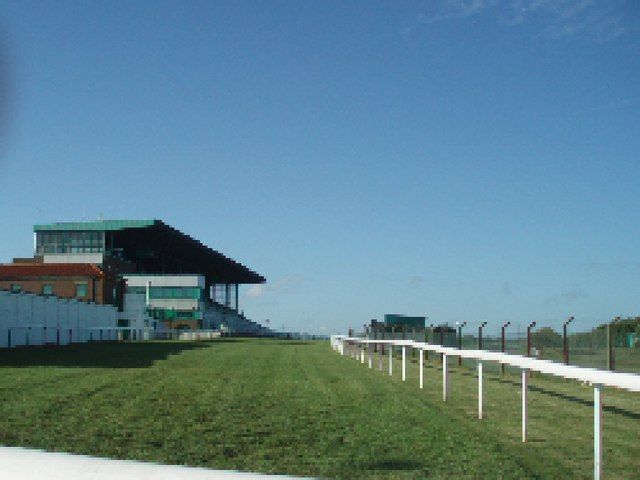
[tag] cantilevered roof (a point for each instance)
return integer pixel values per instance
(99, 225)
(156, 247)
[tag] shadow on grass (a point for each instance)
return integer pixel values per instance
(268, 342)
(563, 396)
(95, 355)
(464, 371)
(574, 399)
(394, 465)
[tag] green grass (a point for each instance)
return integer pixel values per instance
(299, 408)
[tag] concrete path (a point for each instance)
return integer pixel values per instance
(28, 464)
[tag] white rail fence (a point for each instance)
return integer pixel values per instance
(361, 349)
(27, 319)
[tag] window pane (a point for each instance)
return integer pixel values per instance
(81, 290)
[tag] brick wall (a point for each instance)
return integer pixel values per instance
(62, 287)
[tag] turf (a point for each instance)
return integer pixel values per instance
(299, 408)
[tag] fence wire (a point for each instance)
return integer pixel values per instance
(614, 346)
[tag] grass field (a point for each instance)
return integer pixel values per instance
(299, 408)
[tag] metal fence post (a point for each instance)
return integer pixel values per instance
(611, 360)
(426, 340)
(565, 343)
(480, 335)
(504, 344)
(375, 337)
(393, 337)
(413, 350)
(460, 325)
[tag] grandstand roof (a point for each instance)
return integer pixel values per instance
(156, 247)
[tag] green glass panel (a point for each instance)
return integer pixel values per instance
(81, 290)
(102, 225)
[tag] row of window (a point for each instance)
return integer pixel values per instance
(193, 293)
(69, 242)
(95, 238)
(66, 249)
(81, 289)
(169, 314)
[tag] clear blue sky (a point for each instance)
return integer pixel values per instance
(466, 160)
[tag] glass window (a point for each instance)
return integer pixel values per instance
(81, 290)
(47, 290)
(69, 242)
(176, 292)
(16, 288)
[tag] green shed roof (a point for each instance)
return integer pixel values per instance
(99, 225)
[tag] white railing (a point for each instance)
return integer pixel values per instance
(360, 348)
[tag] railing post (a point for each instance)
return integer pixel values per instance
(404, 363)
(525, 385)
(361, 345)
(390, 360)
(480, 390)
(445, 378)
(380, 355)
(597, 432)
(420, 360)
(370, 351)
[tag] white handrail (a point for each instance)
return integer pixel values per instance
(597, 378)
(626, 381)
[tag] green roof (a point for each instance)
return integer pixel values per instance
(99, 225)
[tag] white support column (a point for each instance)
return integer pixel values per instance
(380, 355)
(597, 432)
(370, 352)
(390, 359)
(480, 390)
(361, 345)
(421, 361)
(404, 363)
(445, 378)
(525, 385)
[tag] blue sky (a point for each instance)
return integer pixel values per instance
(469, 161)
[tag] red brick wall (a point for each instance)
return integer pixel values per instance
(64, 287)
